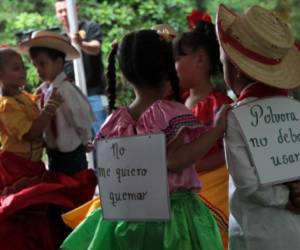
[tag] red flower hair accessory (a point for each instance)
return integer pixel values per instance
(197, 16)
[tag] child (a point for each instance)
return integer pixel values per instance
(146, 61)
(70, 130)
(197, 60)
(26, 188)
(259, 57)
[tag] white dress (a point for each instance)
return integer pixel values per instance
(258, 218)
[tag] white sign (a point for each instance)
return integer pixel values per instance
(132, 177)
(271, 127)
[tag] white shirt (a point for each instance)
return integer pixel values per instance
(258, 218)
(74, 117)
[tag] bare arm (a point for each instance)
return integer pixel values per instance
(91, 47)
(211, 162)
(38, 127)
(182, 155)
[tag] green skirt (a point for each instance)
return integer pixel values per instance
(192, 227)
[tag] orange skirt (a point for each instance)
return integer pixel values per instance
(215, 195)
(75, 216)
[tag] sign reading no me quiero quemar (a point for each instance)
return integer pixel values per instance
(271, 127)
(132, 177)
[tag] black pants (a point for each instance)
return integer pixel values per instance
(67, 162)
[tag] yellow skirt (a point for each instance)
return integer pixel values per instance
(75, 216)
(214, 194)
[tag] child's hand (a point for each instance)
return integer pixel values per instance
(54, 101)
(221, 117)
(89, 147)
(290, 206)
(56, 97)
(294, 193)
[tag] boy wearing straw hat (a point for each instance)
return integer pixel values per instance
(70, 130)
(260, 59)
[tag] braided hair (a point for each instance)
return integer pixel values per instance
(111, 76)
(145, 59)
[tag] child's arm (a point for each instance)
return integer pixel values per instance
(212, 161)
(182, 155)
(42, 121)
(77, 111)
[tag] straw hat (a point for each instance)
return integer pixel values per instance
(261, 45)
(51, 40)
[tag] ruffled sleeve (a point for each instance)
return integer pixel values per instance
(119, 123)
(169, 117)
(172, 118)
(206, 109)
(14, 121)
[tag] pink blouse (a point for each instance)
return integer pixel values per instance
(162, 116)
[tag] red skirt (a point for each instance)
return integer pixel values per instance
(28, 194)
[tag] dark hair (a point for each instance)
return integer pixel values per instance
(6, 53)
(202, 37)
(145, 58)
(52, 53)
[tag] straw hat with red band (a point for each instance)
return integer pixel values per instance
(261, 45)
(51, 40)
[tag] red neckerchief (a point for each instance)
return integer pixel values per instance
(261, 90)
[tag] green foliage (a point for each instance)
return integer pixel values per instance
(117, 17)
(286, 9)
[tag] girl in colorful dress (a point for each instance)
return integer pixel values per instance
(26, 188)
(146, 61)
(197, 61)
(259, 60)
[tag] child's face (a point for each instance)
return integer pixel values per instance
(13, 73)
(46, 67)
(187, 67)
